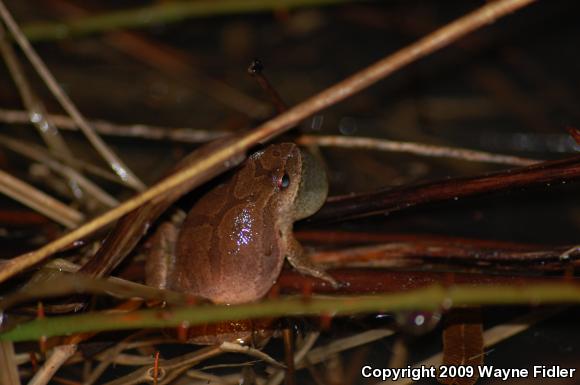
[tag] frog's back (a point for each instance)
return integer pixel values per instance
(230, 246)
(221, 257)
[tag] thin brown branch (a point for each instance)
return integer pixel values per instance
(256, 70)
(114, 162)
(336, 238)
(398, 198)
(288, 337)
(278, 376)
(231, 152)
(415, 148)
(373, 280)
(433, 251)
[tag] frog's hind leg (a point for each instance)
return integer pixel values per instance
(300, 261)
(161, 255)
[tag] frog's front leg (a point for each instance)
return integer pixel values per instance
(161, 255)
(300, 261)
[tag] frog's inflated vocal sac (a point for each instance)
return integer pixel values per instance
(233, 243)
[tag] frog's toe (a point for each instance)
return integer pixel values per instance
(321, 274)
(335, 284)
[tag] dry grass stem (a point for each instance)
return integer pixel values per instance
(59, 356)
(170, 368)
(321, 353)
(40, 155)
(8, 364)
(210, 378)
(114, 162)
(58, 284)
(132, 360)
(36, 111)
(230, 347)
(143, 131)
(568, 253)
(415, 148)
(39, 201)
(109, 357)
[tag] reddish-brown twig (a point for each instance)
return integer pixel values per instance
(388, 201)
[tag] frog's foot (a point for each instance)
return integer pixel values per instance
(304, 265)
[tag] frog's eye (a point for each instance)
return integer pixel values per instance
(283, 182)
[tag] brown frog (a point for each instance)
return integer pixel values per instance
(232, 244)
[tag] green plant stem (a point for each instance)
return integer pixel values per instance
(433, 297)
(166, 12)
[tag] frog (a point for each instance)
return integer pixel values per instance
(233, 242)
